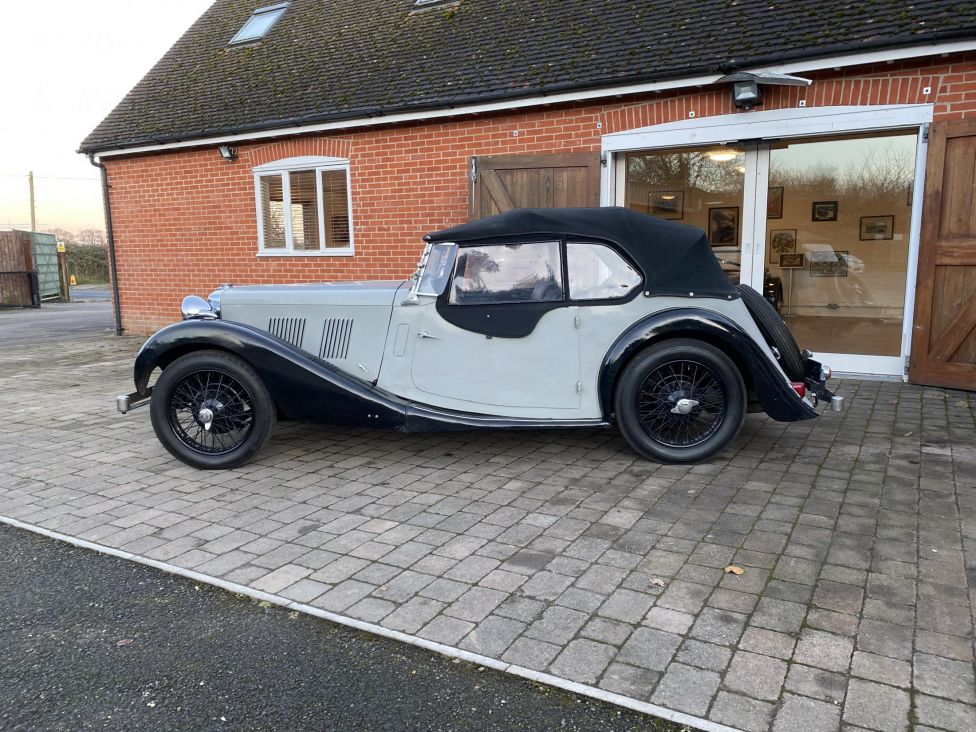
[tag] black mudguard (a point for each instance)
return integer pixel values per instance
(778, 399)
(307, 388)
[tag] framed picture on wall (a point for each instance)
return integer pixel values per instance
(668, 205)
(877, 227)
(824, 211)
(794, 260)
(781, 241)
(828, 264)
(723, 226)
(774, 203)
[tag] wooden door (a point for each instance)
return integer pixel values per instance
(503, 182)
(944, 337)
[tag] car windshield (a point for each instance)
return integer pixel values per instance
(436, 267)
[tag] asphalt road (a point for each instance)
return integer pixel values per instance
(89, 641)
(85, 293)
(55, 321)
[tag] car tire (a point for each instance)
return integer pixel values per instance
(775, 331)
(219, 386)
(661, 382)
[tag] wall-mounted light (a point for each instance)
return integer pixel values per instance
(228, 153)
(746, 94)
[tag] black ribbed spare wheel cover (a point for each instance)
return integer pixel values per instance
(775, 332)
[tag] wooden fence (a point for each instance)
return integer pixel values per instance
(16, 263)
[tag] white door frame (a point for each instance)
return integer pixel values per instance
(784, 123)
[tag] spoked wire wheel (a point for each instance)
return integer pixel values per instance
(681, 403)
(211, 412)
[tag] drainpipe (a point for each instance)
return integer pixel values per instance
(107, 203)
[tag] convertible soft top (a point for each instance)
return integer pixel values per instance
(675, 259)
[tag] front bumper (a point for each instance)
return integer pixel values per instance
(816, 385)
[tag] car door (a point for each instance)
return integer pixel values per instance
(502, 338)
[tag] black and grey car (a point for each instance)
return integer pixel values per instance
(531, 319)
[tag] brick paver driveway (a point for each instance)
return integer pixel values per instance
(562, 552)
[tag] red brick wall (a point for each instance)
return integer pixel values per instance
(185, 221)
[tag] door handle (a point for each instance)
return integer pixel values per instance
(425, 334)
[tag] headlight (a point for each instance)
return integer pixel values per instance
(196, 308)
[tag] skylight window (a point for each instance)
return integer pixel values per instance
(258, 25)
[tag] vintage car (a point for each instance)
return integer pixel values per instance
(531, 319)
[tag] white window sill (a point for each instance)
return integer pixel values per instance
(328, 253)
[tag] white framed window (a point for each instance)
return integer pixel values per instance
(304, 207)
(260, 22)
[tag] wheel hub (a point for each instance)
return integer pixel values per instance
(205, 417)
(684, 406)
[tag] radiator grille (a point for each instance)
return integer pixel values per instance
(336, 334)
(288, 329)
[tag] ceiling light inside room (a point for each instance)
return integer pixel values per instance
(722, 156)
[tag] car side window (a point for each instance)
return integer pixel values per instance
(507, 273)
(597, 272)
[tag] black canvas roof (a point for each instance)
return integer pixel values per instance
(675, 259)
(351, 59)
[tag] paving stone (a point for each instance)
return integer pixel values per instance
(740, 602)
(443, 629)
(800, 714)
(531, 653)
(631, 681)
(343, 595)
(583, 661)
(704, 655)
(412, 615)
(885, 639)
(832, 622)
(278, 579)
(546, 585)
(626, 605)
(824, 650)
(371, 609)
(686, 689)
(817, 683)
(305, 590)
(492, 636)
(786, 617)
(669, 620)
(476, 604)
(767, 642)
(948, 646)
(718, 626)
(759, 677)
(579, 599)
(607, 631)
(557, 625)
(876, 706)
(839, 597)
(882, 669)
(944, 714)
(741, 712)
(945, 678)
(649, 648)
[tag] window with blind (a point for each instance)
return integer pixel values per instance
(303, 207)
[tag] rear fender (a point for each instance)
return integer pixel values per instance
(772, 389)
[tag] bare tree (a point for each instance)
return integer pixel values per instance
(91, 237)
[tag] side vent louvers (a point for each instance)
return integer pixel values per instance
(336, 334)
(288, 329)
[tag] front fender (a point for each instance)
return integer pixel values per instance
(303, 386)
(778, 399)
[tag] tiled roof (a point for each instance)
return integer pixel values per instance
(343, 59)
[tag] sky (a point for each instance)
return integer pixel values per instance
(64, 65)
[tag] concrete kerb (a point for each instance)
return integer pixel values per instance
(439, 648)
